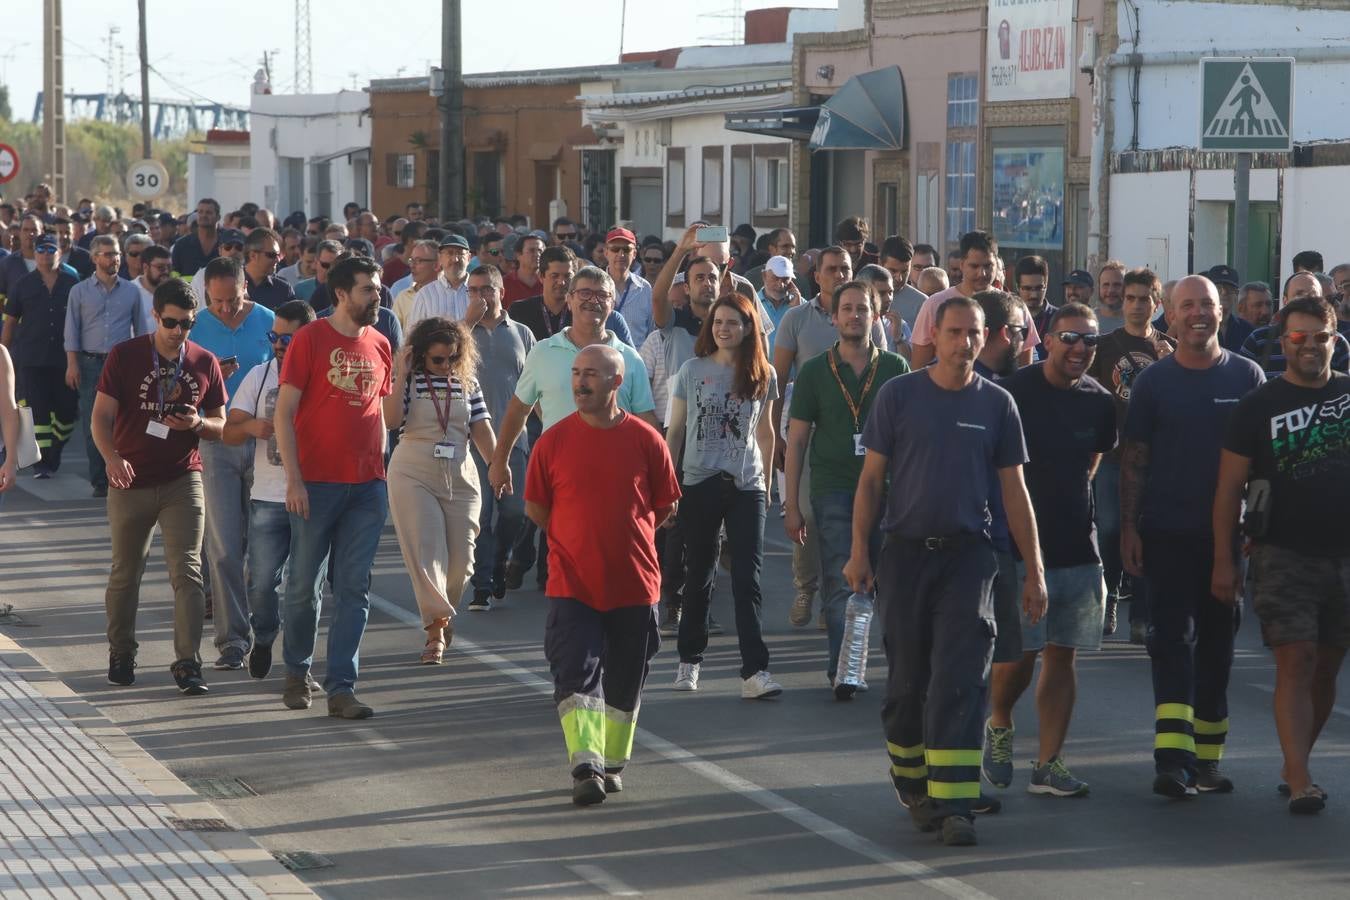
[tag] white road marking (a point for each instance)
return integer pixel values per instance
(775, 803)
(374, 740)
(603, 880)
(1338, 710)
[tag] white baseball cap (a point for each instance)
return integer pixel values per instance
(780, 266)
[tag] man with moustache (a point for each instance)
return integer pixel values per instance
(1255, 305)
(1179, 407)
(156, 268)
(1110, 295)
(600, 632)
(1263, 344)
(1069, 421)
(335, 374)
(1078, 286)
(447, 294)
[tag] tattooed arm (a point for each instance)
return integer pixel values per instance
(1133, 476)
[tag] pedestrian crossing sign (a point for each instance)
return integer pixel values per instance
(1246, 105)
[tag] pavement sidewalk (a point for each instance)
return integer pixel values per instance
(85, 812)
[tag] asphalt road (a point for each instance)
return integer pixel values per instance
(459, 786)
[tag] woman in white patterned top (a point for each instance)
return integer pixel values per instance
(433, 484)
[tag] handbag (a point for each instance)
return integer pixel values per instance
(28, 451)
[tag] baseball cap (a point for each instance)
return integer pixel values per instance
(46, 244)
(231, 236)
(359, 246)
(746, 231)
(621, 234)
(509, 244)
(780, 266)
(1080, 276)
(539, 233)
(1222, 274)
(454, 240)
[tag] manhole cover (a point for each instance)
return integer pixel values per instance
(199, 824)
(298, 860)
(219, 788)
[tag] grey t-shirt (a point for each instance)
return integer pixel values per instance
(943, 448)
(908, 301)
(719, 429)
(807, 330)
(501, 358)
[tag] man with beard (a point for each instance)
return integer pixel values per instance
(1255, 304)
(549, 313)
(1078, 287)
(1110, 295)
(1179, 407)
(977, 252)
(1031, 280)
(192, 252)
(334, 377)
(1264, 346)
(1069, 421)
(447, 294)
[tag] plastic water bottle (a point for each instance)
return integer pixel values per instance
(852, 668)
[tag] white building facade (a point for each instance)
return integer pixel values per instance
(310, 152)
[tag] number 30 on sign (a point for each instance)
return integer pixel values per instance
(147, 179)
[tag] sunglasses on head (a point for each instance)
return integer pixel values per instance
(283, 339)
(1299, 338)
(1090, 338)
(174, 324)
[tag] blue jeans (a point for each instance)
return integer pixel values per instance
(349, 518)
(227, 478)
(495, 541)
(834, 534)
(91, 369)
(269, 546)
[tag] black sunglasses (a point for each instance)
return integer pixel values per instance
(1090, 338)
(172, 324)
(284, 339)
(442, 360)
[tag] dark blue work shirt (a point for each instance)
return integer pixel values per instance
(189, 257)
(39, 335)
(271, 292)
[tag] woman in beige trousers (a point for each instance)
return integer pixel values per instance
(433, 484)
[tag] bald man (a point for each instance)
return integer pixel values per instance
(1169, 469)
(1263, 344)
(605, 579)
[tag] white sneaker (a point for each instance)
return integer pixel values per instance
(760, 686)
(686, 677)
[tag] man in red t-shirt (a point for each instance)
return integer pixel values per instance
(158, 396)
(604, 578)
(330, 434)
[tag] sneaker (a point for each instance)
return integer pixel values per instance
(1055, 779)
(514, 576)
(1109, 622)
(862, 685)
(800, 614)
(298, 691)
(231, 658)
(260, 661)
(187, 673)
(670, 624)
(121, 669)
(41, 472)
(1138, 633)
(958, 831)
(498, 583)
(686, 677)
(843, 691)
(613, 783)
(1209, 780)
(346, 706)
(588, 790)
(922, 810)
(480, 601)
(100, 490)
(760, 686)
(986, 805)
(998, 755)
(714, 627)
(1172, 783)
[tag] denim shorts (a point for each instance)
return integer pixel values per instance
(1077, 608)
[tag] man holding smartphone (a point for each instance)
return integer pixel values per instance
(158, 397)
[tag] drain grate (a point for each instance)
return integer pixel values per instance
(219, 788)
(301, 860)
(180, 824)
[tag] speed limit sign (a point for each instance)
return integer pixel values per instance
(9, 163)
(147, 179)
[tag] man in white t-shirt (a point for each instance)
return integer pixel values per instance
(269, 525)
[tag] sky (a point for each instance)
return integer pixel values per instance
(209, 52)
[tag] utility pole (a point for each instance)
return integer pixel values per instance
(1242, 180)
(450, 200)
(145, 85)
(53, 98)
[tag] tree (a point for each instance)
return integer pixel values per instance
(5, 112)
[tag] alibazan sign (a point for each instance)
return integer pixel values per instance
(1030, 50)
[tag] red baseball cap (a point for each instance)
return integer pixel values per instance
(621, 234)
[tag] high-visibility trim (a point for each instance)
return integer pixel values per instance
(618, 736)
(953, 790)
(614, 714)
(42, 429)
(580, 701)
(953, 757)
(1167, 740)
(584, 732)
(1203, 727)
(904, 752)
(1180, 711)
(1209, 752)
(916, 772)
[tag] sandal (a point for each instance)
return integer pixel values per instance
(434, 652)
(1308, 801)
(1283, 790)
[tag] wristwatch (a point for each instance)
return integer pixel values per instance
(201, 423)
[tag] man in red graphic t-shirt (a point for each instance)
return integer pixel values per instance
(159, 395)
(330, 434)
(604, 578)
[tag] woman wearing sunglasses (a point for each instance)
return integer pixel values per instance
(438, 408)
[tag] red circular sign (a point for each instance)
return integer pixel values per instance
(9, 163)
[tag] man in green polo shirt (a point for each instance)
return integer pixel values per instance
(830, 403)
